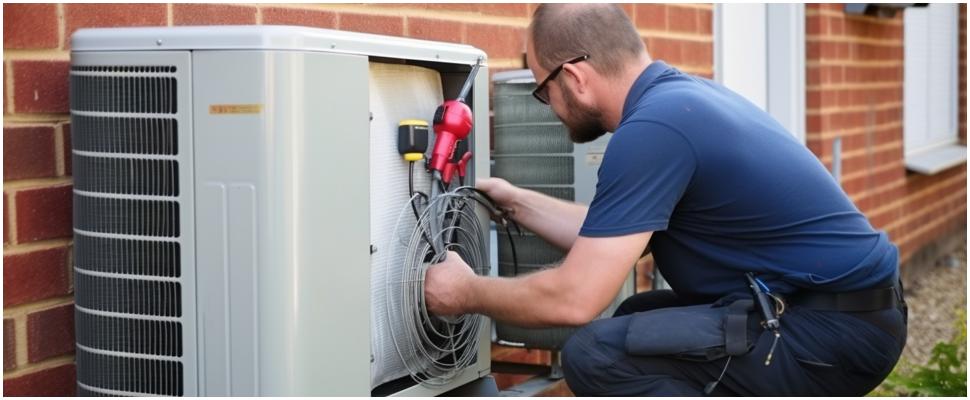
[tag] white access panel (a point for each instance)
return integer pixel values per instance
(288, 176)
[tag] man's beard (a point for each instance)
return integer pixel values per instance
(584, 123)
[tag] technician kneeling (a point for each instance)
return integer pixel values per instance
(781, 286)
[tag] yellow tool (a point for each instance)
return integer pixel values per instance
(412, 139)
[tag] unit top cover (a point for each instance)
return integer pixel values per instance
(271, 37)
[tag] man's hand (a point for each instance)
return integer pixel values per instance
(446, 286)
(500, 190)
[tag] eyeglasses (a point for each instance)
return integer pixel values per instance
(541, 92)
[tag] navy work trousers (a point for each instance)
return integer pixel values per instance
(820, 353)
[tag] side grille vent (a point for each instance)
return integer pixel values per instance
(125, 135)
(127, 254)
(123, 89)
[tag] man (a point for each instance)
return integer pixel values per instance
(717, 189)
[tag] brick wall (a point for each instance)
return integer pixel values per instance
(855, 92)
(38, 317)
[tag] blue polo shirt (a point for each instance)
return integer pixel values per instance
(727, 190)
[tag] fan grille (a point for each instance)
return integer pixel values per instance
(127, 228)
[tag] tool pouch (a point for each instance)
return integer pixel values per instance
(700, 333)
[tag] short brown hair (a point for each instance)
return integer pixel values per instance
(560, 32)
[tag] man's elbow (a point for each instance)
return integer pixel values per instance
(570, 302)
(579, 314)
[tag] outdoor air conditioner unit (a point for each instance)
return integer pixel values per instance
(236, 192)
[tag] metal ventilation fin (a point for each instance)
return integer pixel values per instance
(128, 302)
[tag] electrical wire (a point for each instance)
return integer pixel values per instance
(499, 216)
(435, 349)
(411, 192)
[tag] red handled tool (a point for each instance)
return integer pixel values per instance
(452, 123)
(463, 166)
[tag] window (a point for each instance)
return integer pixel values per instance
(759, 52)
(930, 89)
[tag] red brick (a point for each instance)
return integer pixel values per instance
(705, 22)
(813, 75)
(66, 138)
(706, 75)
(430, 29)
(628, 8)
(836, 25)
(450, 6)
(44, 213)
(682, 19)
(288, 16)
(813, 99)
(28, 152)
(834, 7)
(813, 8)
(698, 53)
(815, 25)
(813, 51)
(6, 218)
(9, 345)
(836, 74)
(40, 86)
(504, 9)
(651, 16)
(212, 14)
(381, 25)
(50, 333)
(33, 276)
(497, 41)
(78, 16)
(830, 50)
(6, 104)
(30, 26)
(57, 381)
(666, 49)
(813, 123)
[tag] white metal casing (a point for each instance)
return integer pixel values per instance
(274, 169)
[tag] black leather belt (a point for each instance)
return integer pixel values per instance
(862, 304)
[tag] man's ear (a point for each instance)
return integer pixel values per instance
(578, 73)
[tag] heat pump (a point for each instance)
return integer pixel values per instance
(241, 212)
(532, 150)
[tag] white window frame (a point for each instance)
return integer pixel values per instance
(931, 89)
(759, 52)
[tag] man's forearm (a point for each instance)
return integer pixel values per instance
(530, 301)
(556, 221)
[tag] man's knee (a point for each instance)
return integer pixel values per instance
(583, 361)
(590, 352)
